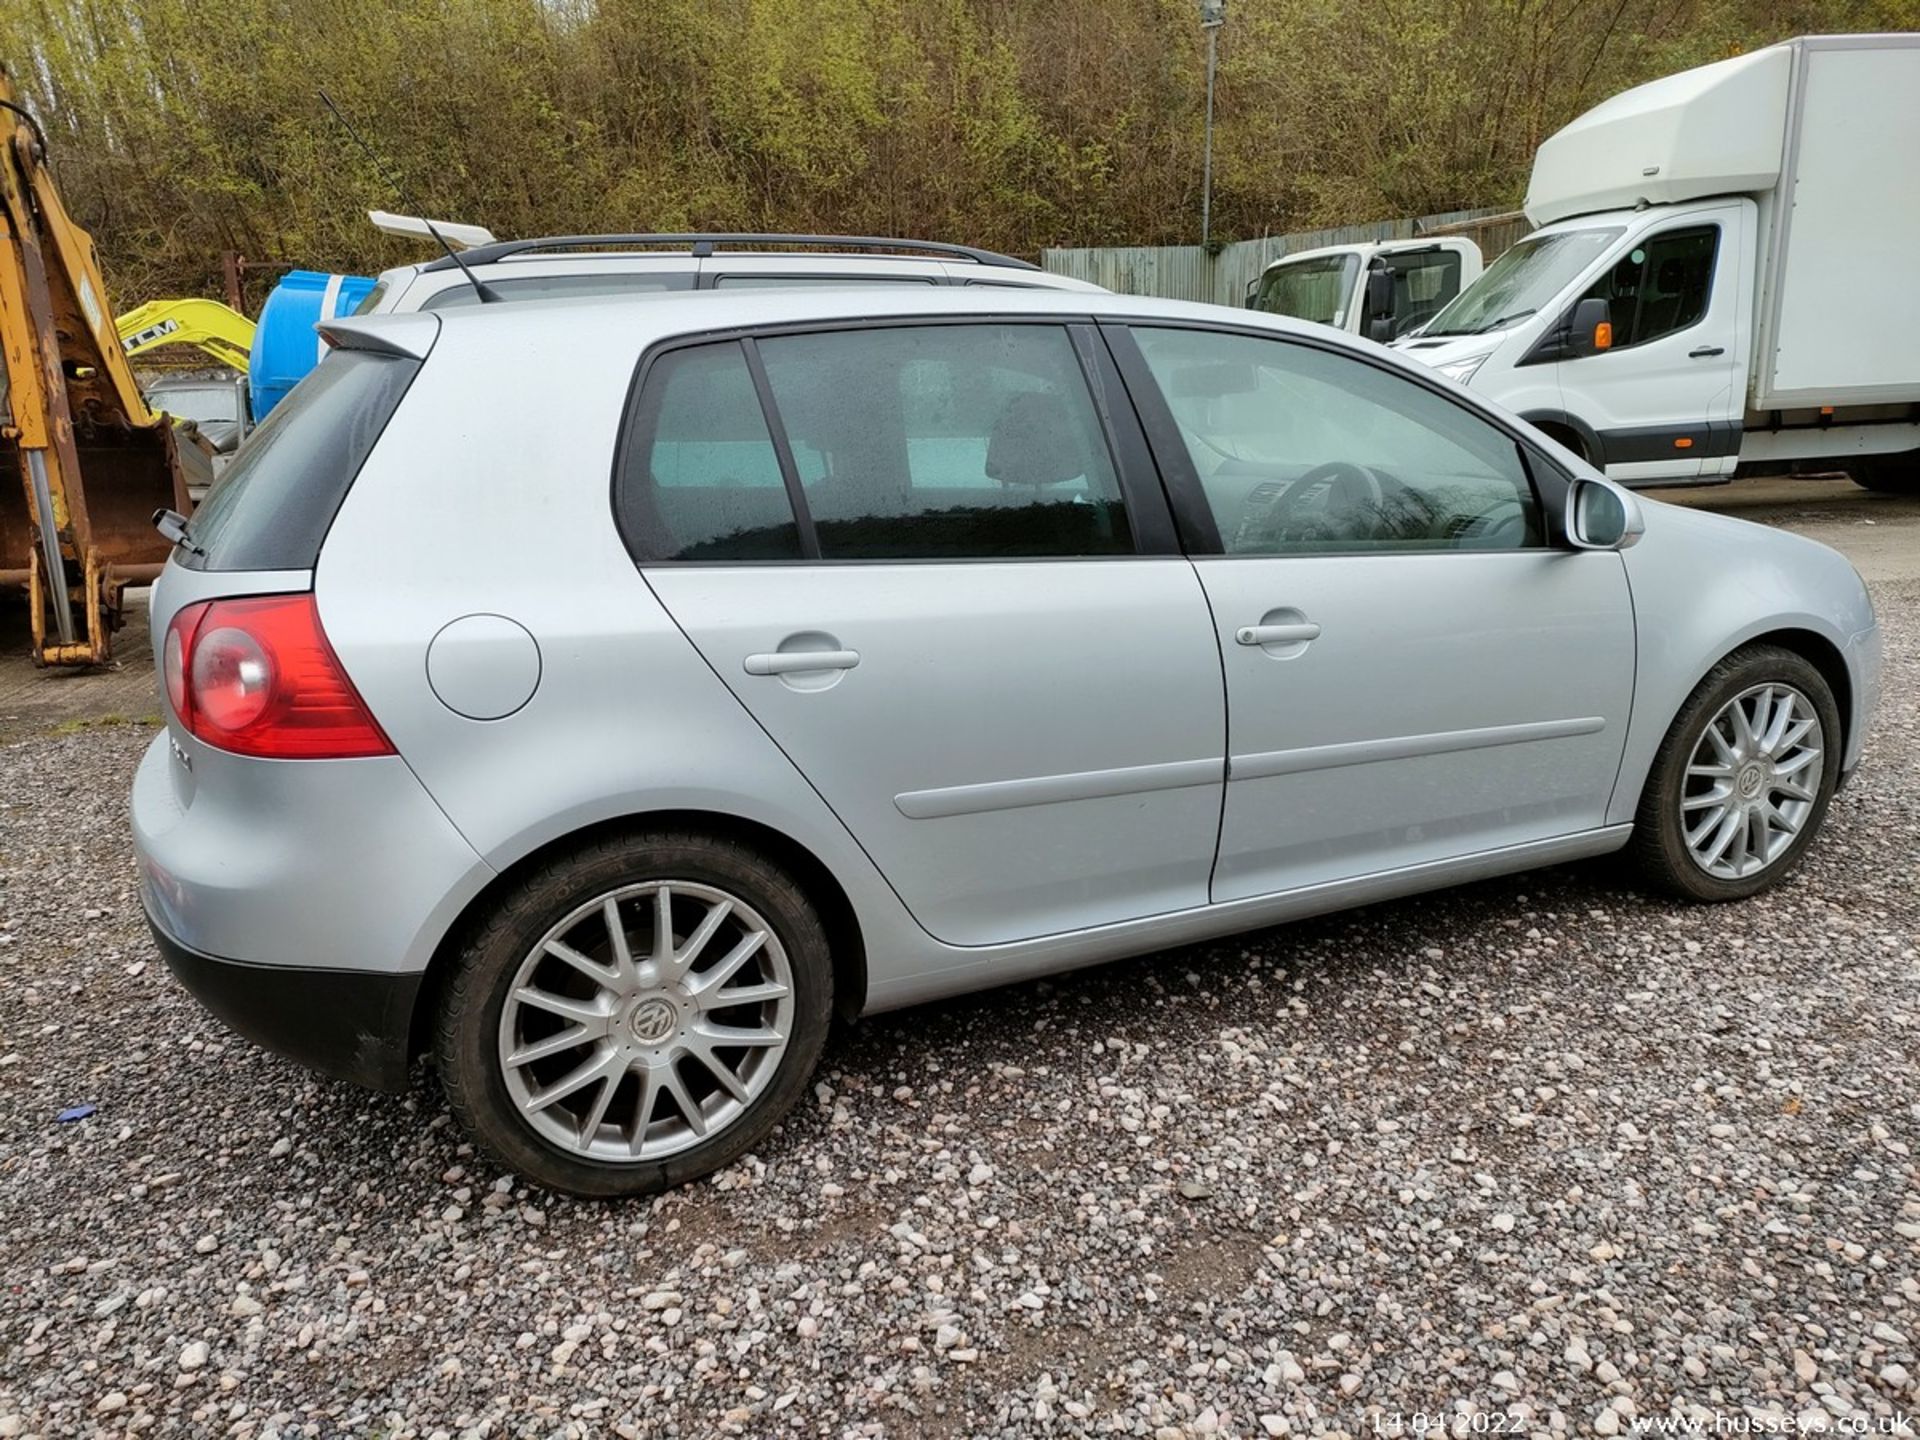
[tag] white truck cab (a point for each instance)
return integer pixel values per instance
(1719, 276)
(1379, 290)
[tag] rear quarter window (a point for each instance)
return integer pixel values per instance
(272, 507)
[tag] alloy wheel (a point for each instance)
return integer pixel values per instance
(1752, 781)
(647, 1021)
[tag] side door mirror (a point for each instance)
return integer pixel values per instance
(1601, 515)
(1591, 329)
(1379, 303)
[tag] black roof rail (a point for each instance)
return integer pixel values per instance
(704, 244)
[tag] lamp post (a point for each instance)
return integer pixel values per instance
(1213, 14)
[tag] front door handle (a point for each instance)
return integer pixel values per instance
(792, 662)
(1297, 634)
(1706, 352)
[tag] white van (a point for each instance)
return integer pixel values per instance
(1722, 276)
(1378, 290)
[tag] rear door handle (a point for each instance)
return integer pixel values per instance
(1706, 352)
(1277, 634)
(790, 662)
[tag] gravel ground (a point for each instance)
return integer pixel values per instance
(1535, 1156)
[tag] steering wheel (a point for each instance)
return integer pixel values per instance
(1339, 500)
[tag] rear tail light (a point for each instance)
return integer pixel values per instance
(257, 677)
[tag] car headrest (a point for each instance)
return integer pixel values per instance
(1036, 442)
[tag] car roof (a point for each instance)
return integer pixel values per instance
(591, 345)
(413, 285)
(631, 322)
(804, 255)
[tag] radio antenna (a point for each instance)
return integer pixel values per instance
(480, 288)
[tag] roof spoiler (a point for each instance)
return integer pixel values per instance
(461, 237)
(408, 336)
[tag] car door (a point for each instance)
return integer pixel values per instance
(1666, 396)
(932, 560)
(1415, 672)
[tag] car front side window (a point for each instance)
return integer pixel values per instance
(1303, 450)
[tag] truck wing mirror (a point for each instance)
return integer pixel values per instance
(1591, 329)
(1379, 300)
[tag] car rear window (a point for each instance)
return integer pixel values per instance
(272, 507)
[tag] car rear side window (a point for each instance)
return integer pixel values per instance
(703, 480)
(974, 441)
(272, 507)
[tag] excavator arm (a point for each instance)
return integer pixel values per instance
(221, 332)
(83, 462)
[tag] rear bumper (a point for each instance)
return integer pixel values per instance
(307, 864)
(350, 1024)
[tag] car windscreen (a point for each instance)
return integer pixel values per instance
(272, 507)
(1522, 280)
(560, 287)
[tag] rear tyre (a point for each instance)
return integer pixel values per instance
(635, 1014)
(1887, 474)
(1740, 785)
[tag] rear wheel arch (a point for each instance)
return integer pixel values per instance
(846, 942)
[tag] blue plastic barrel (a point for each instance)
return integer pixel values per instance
(285, 346)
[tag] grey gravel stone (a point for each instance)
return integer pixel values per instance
(1543, 1147)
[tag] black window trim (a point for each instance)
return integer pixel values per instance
(1149, 521)
(1193, 514)
(782, 449)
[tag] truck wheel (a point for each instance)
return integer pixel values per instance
(635, 1014)
(1888, 474)
(1740, 785)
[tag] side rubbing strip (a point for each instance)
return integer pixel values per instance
(1053, 789)
(1405, 747)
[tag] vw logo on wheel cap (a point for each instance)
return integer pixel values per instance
(653, 1020)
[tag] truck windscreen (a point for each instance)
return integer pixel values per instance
(1522, 280)
(1317, 290)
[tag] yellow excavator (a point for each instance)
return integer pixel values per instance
(221, 332)
(83, 463)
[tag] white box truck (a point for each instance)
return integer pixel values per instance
(1723, 275)
(1380, 289)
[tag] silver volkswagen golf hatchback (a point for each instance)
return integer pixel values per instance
(598, 697)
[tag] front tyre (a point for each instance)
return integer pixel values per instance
(1740, 785)
(636, 1014)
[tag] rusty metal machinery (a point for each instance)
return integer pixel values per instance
(83, 462)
